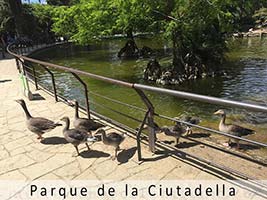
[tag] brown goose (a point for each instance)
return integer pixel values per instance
(84, 123)
(75, 136)
(191, 120)
(37, 125)
(175, 131)
(232, 128)
(113, 139)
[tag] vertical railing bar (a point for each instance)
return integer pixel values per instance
(150, 118)
(53, 81)
(85, 93)
(35, 79)
(18, 66)
(26, 83)
(34, 75)
(20, 63)
(138, 139)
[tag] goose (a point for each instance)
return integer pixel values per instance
(232, 128)
(84, 123)
(37, 125)
(113, 139)
(175, 131)
(146, 126)
(75, 136)
(191, 120)
(155, 126)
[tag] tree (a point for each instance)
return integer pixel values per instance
(43, 21)
(260, 17)
(197, 34)
(16, 12)
(85, 21)
(132, 16)
(5, 16)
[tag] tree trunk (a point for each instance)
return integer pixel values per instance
(177, 61)
(16, 10)
(129, 33)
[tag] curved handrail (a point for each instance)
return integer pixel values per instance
(141, 87)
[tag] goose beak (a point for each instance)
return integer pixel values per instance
(217, 113)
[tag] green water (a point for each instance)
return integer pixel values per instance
(244, 79)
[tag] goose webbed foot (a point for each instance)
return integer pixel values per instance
(189, 132)
(115, 155)
(177, 141)
(112, 157)
(40, 137)
(226, 144)
(237, 145)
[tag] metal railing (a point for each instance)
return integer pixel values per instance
(148, 119)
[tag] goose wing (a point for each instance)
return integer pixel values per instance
(194, 121)
(87, 124)
(77, 135)
(115, 137)
(42, 124)
(178, 128)
(241, 131)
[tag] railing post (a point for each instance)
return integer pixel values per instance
(85, 93)
(53, 81)
(138, 137)
(150, 120)
(24, 78)
(35, 79)
(17, 64)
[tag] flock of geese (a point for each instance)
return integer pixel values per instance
(83, 127)
(81, 133)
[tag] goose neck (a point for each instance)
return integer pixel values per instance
(67, 125)
(28, 115)
(76, 110)
(223, 119)
(104, 136)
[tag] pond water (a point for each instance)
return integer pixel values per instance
(244, 79)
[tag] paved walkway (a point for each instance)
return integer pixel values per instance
(23, 157)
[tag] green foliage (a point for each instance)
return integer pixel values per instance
(84, 21)
(197, 31)
(260, 17)
(64, 22)
(59, 2)
(91, 19)
(42, 21)
(5, 16)
(132, 16)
